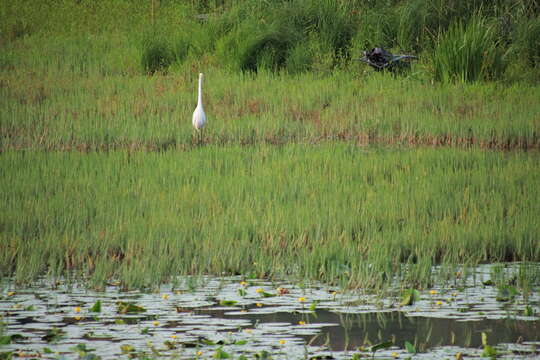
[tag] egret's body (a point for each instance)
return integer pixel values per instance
(199, 117)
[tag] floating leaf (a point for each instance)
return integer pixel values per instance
(90, 357)
(10, 339)
(91, 336)
(410, 347)
(313, 305)
(263, 355)
(208, 342)
(488, 283)
(220, 354)
(227, 302)
(29, 308)
(96, 307)
(409, 297)
(240, 342)
(183, 310)
(47, 350)
(383, 345)
(169, 344)
(119, 321)
(242, 292)
(126, 348)
(266, 295)
(82, 347)
(145, 331)
(489, 352)
(128, 308)
(53, 335)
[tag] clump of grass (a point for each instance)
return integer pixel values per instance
(468, 52)
(526, 42)
(282, 38)
(162, 46)
(156, 56)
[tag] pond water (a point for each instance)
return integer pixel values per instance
(209, 317)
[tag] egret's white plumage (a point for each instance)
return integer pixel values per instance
(199, 118)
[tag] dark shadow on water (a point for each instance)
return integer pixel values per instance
(357, 330)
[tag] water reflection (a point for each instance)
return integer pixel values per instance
(355, 330)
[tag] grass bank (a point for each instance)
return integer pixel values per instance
(333, 212)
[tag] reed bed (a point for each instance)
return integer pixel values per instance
(334, 212)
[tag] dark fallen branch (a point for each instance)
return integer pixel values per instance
(380, 59)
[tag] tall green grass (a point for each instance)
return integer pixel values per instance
(333, 212)
(75, 99)
(293, 36)
(468, 52)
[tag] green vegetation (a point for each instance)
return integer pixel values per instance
(100, 172)
(63, 111)
(334, 212)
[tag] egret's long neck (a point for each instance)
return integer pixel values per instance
(199, 102)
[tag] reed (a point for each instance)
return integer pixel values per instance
(144, 217)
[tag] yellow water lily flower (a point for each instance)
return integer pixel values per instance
(439, 303)
(77, 309)
(259, 290)
(155, 323)
(165, 296)
(282, 342)
(243, 283)
(173, 336)
(394, 355)
(302, 299)
(433, 292)
(301, 322)
(11, 293)
(259, 305)
(199, 353)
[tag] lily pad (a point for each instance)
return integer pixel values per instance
(129, 308)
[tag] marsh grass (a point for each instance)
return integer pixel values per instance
(100, 173)
(142, 217)
(75, 99)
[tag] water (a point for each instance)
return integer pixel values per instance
(208, 317)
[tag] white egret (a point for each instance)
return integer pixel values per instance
(199, 118)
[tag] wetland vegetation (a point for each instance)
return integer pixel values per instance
(313, 168)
